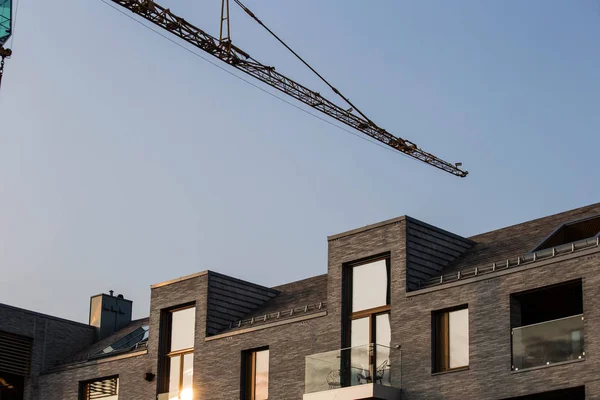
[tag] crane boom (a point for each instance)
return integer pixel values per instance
(242, 61)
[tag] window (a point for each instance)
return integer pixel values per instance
(367, 331)
(179, 357)
(572, 232)
(128, 342)
(255, 367)
(15, 362)
(547, 303)
(104, 388)
(547, 325)
(450, 339)
(368, 294)
(12, 387)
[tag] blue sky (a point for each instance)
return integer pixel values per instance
(127, 161)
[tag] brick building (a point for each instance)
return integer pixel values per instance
(406, 311)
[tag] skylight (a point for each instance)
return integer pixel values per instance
(128, 341)
(572, 232)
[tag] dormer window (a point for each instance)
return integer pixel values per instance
(572, 232)
(368, 326)
(369, 302)
(178, 329)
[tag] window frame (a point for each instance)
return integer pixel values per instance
(530, 296)
(348, 316)
(372, 313)
(165, 344)
(436, 368)
(248, 372)
(83, 385)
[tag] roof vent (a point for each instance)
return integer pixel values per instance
(572, 232)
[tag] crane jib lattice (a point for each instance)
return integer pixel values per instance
(239, 59)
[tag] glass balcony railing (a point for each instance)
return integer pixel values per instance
(548, 342)
(372, 363)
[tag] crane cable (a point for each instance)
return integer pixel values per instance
(347, 100)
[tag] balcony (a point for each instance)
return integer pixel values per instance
(362, 372)
(547, 343)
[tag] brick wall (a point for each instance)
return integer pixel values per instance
(489, 375)
(53, 340)
(217, 361)
(64, 384)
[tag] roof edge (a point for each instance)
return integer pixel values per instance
(505, 271)
(243, 282)
(441, 230)
(280, 286)
(42, 315)
(470, 237)
(117, 296)
(183, 278)
(366, 228)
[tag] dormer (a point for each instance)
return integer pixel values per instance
(587, 228)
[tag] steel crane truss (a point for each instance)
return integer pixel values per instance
(242, 61)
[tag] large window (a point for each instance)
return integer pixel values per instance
(179, 355)
(104, 388)
(367, 331)
(368, 298)
(450, 339)
(547, 325)
(255, 366)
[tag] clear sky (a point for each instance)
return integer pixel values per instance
(126, 161)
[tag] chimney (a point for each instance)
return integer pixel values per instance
(109, 313)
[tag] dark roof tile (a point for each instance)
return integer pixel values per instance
(516, 240)
(98, 346)
(307, 292)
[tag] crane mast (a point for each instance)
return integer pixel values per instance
(5, 32)
(226, 51)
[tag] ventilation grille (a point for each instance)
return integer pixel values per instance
(15, 354)
(102, 389)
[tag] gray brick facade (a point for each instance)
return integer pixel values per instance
(292, 330)
(54, 339)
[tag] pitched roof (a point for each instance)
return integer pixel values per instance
(304, 292)
(303, 296)
(98, 346)
(516, 240)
